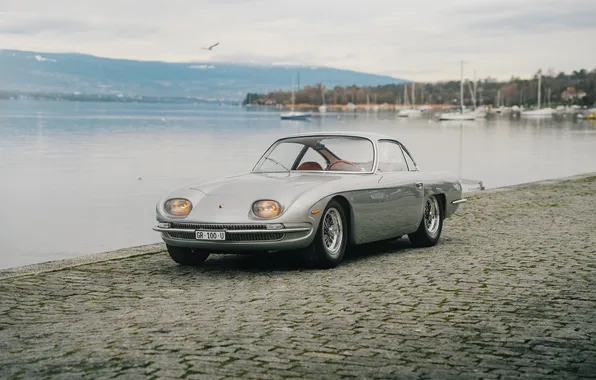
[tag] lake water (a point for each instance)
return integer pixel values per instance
(80, 178)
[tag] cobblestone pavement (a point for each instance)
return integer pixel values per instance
(508, 291)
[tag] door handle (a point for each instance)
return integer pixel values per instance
(419, 185)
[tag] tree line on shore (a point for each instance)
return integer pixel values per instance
(578, 87)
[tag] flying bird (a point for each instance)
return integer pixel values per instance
(211, 47)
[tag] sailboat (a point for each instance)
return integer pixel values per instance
(480, 111)
(249, 102)
(375, 107)
(295, 115)
(459, 115)
(323, 107)
(408, 112)
(539, 112)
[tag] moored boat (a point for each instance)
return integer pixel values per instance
(539, 112)
(409, 112)
(461, 115)
(458, 116)
(295, 115)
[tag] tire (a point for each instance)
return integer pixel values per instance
(187, 256)
(431, 226)
(329, 252)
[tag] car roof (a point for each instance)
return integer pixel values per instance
(368, 135)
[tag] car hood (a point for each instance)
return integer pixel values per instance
(229, 200)
(264, 185)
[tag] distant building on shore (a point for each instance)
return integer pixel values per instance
(571, 94)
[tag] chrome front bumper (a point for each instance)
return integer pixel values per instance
(239, 237)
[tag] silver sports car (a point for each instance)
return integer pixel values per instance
(321, 191)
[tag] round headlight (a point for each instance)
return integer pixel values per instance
(266, 209)
(178, 207)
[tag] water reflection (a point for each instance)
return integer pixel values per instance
(69, 171)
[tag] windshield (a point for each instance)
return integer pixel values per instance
(319, 153)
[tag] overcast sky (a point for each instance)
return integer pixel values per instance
(418, 39)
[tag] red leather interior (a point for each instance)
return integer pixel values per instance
(309, 165)
(342, 167)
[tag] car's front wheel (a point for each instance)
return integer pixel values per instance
(430, 227)
(332, 236)
(187, 256)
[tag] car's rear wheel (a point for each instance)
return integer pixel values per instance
(431, 226)
(187, 256)
(332, 236)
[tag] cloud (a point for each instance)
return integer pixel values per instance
(540, 21)
(27, 24)
(34, 27)
(419, 40)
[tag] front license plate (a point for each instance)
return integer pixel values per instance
(210, 235)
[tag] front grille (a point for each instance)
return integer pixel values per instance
(182, 235)
(249, 236)
(193, 226)
(255, 237)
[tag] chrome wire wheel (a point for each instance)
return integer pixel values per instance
(432, 216)
(332, 232)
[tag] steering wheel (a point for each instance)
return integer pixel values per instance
(345, 162)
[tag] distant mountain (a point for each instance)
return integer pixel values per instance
(28, 72)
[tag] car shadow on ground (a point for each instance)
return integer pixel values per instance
(294, 260)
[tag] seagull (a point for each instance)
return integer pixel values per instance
(211, 47)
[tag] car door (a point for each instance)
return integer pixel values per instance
(403, 193)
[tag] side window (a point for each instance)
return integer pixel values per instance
(391, 158)
(312, 161)
(409, 161)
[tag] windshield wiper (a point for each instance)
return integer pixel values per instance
(277, 162)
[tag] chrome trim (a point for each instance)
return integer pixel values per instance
(458, 201)
(219, 226)
(172, 229)
(282, 230)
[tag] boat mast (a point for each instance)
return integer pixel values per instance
(461, 87)
(475, 90)
(292, 93)
(539, 85)
(471, 88)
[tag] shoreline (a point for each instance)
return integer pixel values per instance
(149, 249)
(356, 107)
